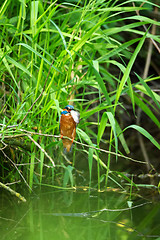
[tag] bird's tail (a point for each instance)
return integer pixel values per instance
(67, 144)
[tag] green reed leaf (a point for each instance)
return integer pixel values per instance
(144, 133)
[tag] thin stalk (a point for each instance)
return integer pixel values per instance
(109, 157)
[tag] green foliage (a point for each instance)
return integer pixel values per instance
(82, 44)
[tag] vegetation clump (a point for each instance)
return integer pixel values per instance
(100, 56)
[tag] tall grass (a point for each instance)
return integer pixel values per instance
(86, 44)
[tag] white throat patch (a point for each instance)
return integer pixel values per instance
(75, 115)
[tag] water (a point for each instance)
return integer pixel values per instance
(59, 215)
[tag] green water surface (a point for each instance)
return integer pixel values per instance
(62, 215)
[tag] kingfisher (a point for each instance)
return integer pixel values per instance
(68, 123)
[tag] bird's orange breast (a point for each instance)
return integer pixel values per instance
(68, 129)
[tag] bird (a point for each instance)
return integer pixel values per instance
(68, 122)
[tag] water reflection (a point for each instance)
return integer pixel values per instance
(78, 215)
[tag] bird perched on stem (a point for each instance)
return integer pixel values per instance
(68, 122)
